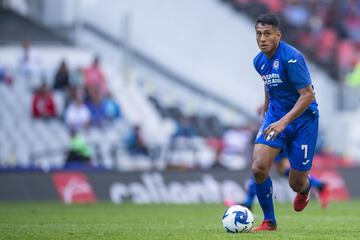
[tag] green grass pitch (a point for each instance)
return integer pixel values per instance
(108, 221)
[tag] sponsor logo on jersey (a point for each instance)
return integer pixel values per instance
(272, 79)
(292, 61)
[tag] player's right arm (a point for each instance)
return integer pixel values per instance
(266, 103)
(262, 109)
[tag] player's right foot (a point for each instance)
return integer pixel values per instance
(301, 201)
(324, 196)
(266, 225)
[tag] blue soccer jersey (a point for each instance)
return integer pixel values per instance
(284, 74)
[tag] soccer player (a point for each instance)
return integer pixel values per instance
(281, 163)
(291, 118)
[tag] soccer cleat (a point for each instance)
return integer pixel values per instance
(301, 201)
(266, 225)
(324, 196)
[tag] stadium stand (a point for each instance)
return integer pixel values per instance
(150, 94)
(18, 27)
(311, 26)
(32, 144)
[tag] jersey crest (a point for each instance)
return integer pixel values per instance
(276, 64)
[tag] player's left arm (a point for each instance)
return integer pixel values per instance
(262, 109)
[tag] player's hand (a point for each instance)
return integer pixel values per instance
(274, 129)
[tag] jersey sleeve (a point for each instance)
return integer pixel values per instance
(298, 72)
(254, 64)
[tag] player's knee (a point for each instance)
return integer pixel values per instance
(259, 171)
(297, 185)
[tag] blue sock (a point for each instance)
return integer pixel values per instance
(251, 192)
(264, 192)
(314, 182)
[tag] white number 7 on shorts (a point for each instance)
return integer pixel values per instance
(305, 148)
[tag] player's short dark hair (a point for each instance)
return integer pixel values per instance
(268, 19)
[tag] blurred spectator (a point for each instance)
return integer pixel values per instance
(327, 31)
(353, 78)
(43, 105)
(96, 106)
(79, 154)
(77, 114)
(5, 76)
(94, 77)
(345, 56)
(274, 5)
(77, 78)
(184, 134)
(62, 81)
(237, 140)
(325, 49)
(350, 10)
(183, 145)
(111, 107)
(135, 143)
(296, 13)
(237, 146)
(184, 128)
(28, 62)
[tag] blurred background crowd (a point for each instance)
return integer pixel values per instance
(67, 101)
(326, 31)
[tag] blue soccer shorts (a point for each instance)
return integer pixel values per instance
(298, 138)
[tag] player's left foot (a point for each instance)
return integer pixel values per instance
(301, 201)
(266, 225)
(324, 196)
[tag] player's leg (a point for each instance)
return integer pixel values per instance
(282, 162)
(301, 149)
(283, 169)
(282, 165)
(250, 193)
(300, 183)
(263, 157)
(322, 189)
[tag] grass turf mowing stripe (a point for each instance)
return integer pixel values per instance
(128, 221)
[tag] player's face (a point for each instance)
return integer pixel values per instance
(267, 38)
